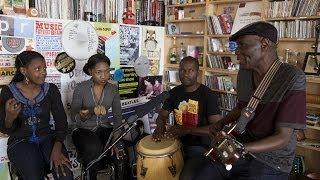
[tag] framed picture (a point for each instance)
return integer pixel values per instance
(173, 29)
(311, 65)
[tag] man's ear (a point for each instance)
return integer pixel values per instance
(265, 42)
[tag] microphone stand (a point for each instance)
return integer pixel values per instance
(134, 124)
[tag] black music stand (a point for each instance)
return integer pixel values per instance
(107, 147)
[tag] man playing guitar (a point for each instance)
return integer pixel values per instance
(271, 108)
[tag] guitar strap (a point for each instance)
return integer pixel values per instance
(248, 112)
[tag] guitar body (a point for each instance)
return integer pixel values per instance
(225, 149)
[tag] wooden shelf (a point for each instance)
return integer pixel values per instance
(187, 4)
(222, 53)
(185, 20)
(293, 18)
(222, 91)
(307, 144)
(172, 83)
(218, 35)
(313, 105)
(297, 39)
(313, 79)
(186, 35)
(222, 71)
(231, 1)
(176, 66)
(172, 66)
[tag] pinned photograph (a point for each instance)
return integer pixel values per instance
(64, 63)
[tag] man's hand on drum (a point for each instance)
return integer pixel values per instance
(177, 131)
(158, 133)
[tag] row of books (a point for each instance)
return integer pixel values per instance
(222, 62)
(143, 12)
(289, 8)
(171, 76)
(221, 24)
(227, 101)
(176, 2)
(223, 83)
(296, 28)
(218, 45)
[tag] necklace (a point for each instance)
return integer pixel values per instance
(99, 110)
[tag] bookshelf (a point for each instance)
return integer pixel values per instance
(190, 32)
(296, 46)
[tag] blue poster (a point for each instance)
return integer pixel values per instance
(23, 28)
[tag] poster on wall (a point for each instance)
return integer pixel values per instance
(150, 86)
(17, 27)
(128, 86)
(129, 44)
(121, 43)
(109, 42)
(48, 35)
(7, 68)
(152, 47)
(15, 45)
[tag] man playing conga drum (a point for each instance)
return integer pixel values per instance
(195, 107)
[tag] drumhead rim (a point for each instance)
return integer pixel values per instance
(158, 155)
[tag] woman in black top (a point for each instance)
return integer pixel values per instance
(26, 106)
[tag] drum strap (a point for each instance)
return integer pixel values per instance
(248, 112)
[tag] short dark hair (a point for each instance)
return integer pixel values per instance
(93, 60)
(191, 59)
(23, 60)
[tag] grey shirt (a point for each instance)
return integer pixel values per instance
(83, 97)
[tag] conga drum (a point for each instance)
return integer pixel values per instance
(159, 160)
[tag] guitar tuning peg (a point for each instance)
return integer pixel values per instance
(313, 56)
(313, 46)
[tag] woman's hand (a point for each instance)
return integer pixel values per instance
(58, 160)
(84, 114)
(12, 108)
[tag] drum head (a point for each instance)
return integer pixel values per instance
(149, 147)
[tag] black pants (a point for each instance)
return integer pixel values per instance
(32, 160)
(89, 146)
(198, 167)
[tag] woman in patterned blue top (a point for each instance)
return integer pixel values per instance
(26, 106)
